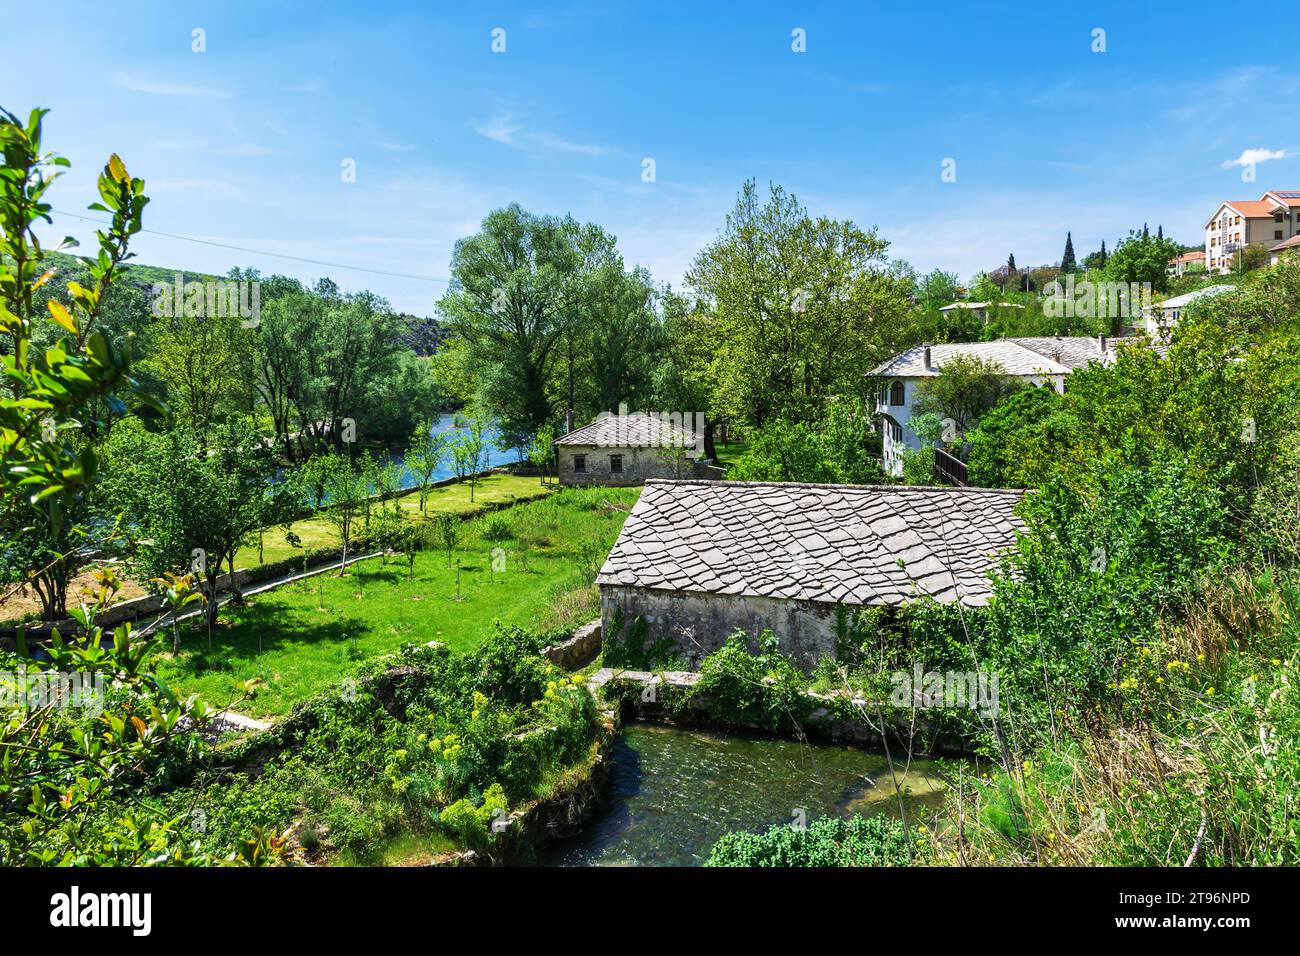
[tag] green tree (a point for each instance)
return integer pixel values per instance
(347, 492)
(511, 301)
(424, 452)
(799, 308)
(60, 769)
(1004, 444)
(1141, 258)
(1068, 263)
(964, 389)
(193, 502)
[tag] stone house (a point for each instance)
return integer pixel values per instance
(698, 560)
(629, 448)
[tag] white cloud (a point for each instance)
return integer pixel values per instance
(1249, 157)
(505, 128)
(139, 84)
(501, 128)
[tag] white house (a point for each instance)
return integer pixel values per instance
(1163, 316)
(1044, 361)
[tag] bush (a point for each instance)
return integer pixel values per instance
(495, 527)
(762, 690)
(859, 841)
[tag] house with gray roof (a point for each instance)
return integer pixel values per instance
(697, 560)
(1041, 360)
(629, 447)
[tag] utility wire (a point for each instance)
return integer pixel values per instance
(262, 252)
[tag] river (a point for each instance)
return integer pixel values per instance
(673, 792)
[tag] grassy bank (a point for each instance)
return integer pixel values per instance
(318, 532)
(529, 565)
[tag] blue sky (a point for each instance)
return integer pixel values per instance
(244, 144)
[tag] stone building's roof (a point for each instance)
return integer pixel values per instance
(851, 544)
(1074, 351)
(633, 430)
(1015, 359)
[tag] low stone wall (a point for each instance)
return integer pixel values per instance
(579, 650)
(666, 697)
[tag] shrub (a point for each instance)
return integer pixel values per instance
(495, 527)
(859, 841)
(761, 690)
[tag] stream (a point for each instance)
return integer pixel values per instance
(673, 791)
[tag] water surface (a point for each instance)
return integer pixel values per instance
(674, 791)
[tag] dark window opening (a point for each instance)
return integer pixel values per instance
(616, 463)
(896, 393)
(579, 462)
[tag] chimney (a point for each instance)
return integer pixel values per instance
(1101, 343)
(926, 353)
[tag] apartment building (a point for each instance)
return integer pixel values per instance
(1272, 218)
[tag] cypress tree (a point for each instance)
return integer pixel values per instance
(1067, 260)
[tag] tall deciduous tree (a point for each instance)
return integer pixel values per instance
(512, 301)
(801, 307)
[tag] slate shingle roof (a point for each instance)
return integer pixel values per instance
(633, 430)
(851, 544)
(1074, 351)
(1014, 358)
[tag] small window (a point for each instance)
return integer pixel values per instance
(616, 464)
(896, 433)
(579, 463)
(896, 393)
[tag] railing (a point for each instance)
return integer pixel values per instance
(949, 468)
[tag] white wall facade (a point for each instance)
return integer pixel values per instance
(898, 437)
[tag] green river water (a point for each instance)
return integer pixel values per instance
(673, 791)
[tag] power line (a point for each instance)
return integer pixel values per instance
(263, 252)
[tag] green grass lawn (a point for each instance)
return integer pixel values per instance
(313, 632)
(730, 454)
(318, 532)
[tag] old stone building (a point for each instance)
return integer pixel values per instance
(627, 449)
(697, 560)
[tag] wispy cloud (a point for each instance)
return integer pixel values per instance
(140, 84)
(501, 128)
(1249, 157)
(504, 127)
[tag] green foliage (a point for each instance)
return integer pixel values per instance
(796, 306)
(858, 841)
(762, 690)
(1141, 257)
(432, 743)
(965, 388)
(1001, 445)
(841, 449)
(625, 645)
(495, 527)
